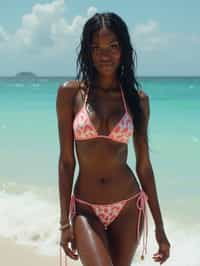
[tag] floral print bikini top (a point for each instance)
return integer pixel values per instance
(84, 129)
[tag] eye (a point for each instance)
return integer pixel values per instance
(114, 46)
(95, 48)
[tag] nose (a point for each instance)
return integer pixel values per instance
(104, 53)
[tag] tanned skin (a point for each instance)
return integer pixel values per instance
(104, 176)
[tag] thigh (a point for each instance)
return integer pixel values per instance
(91, 241)
(122, 235)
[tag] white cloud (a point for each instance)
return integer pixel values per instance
(46, 41)
(145, 29)
(36, 28)
(77, 23)
(4, 36)
(148, 37)
(44, 38)
(44, 28)
(91, 11)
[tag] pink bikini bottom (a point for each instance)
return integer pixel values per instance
(107, 213)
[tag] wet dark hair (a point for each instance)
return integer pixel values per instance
(126, 71)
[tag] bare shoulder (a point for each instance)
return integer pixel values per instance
(68, 89)
(66, 93)
(65, 98)
(143, 95)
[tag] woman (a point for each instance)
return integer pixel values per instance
(101, 111)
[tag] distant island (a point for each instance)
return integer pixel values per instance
(26, 75)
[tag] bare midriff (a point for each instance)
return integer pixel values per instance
(104, 175)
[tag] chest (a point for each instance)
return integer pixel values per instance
(104, 112)
(104, 108)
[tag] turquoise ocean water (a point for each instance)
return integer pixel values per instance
(29, 152)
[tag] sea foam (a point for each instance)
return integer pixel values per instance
(30, 219)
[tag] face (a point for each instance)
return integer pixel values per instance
(106, 52)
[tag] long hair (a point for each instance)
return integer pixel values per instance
(126, 71)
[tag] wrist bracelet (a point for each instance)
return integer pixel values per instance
(64, 226)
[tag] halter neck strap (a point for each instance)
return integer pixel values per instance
(123, 98)
(86, 96)
(122, 93)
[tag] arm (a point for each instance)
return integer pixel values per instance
(143, 164)
(146, 176)
(66, 166)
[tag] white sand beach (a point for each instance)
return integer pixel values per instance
(22, 255)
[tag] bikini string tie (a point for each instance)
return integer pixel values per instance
(141, 205)
(72, 207)
(60, 259)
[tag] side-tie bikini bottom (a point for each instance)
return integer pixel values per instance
(107, 213)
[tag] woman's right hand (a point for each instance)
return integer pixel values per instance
(67, 236)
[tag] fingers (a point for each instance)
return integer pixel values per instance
(73, 245)
(161, 256)
(68, 251)
(157, 257)
(67, 237)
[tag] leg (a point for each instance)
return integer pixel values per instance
(122, 234)
(91, 241)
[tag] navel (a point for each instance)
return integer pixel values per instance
(103, 180)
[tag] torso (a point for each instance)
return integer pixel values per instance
(104, 176)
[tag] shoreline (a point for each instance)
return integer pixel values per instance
(22, 255)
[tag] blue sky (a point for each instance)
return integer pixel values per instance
(41, 36)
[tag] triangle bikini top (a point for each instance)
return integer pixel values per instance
(84, 129)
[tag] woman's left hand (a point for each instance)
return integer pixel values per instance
(164, 246)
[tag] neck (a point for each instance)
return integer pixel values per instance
(107, 83)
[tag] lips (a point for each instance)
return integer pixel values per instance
(105, 65)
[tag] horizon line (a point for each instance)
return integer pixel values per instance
(139, 76)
